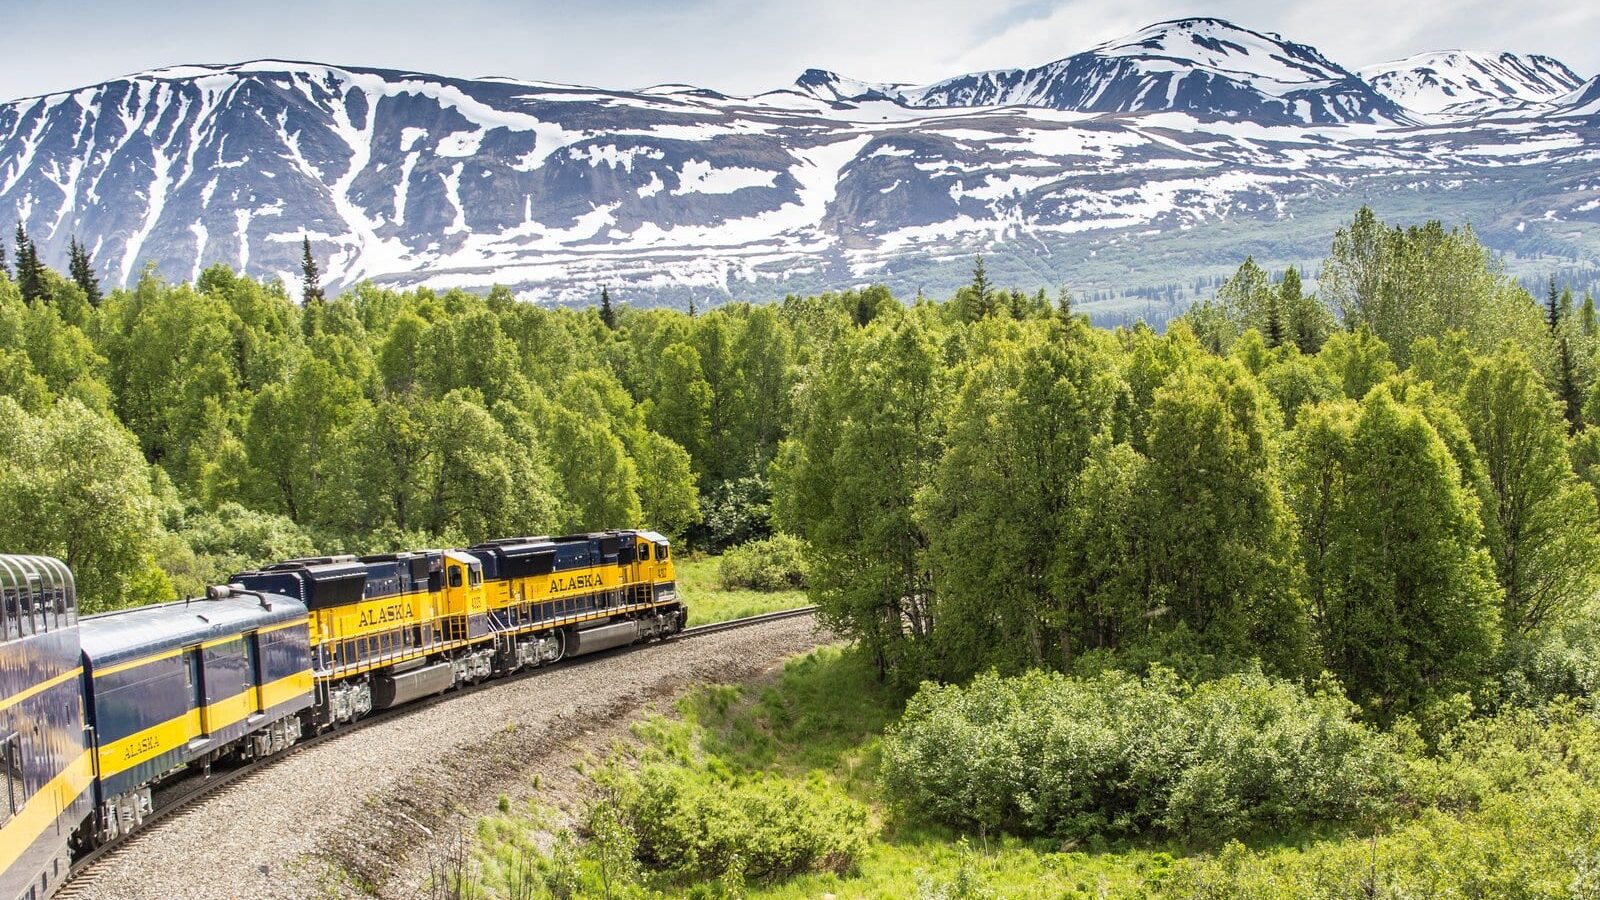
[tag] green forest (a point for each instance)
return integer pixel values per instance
(1295, 598)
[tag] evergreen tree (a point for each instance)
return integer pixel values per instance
(30, 272)
(608, 315)
(310, 279)
(82, 271)
(1552, 307)
(1306, 322)
(1587, 317)
(1570, 393)
(980, 285)
(5, 267)
(1274, 325)
(691, 306)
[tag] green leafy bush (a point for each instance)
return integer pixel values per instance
(1050, 754)
(1506, 810)
(770, 564)
(702, 825)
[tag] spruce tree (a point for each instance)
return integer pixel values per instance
(5, 268)
(863, 313)
(1274, 315)
(608, 315)
(1552, 307)
(691, 307)
(980, 288)
(82, 271)
(1587, 316)
(30, 274)
(1571, 396)
(311, 280)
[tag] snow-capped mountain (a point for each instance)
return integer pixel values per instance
(1583, 102)
(1132, 166)
(1206, 67)
(1464, 83)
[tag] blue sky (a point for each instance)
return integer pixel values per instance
(738, 47)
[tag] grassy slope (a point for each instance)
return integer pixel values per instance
(1508, 813)
(825, 717)
(709, 601)
(1512, 818)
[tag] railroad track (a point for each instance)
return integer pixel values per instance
(190, 788)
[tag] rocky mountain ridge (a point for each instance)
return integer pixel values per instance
(1122, 166)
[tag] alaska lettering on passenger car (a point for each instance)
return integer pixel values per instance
(383, 615)
(560, 583)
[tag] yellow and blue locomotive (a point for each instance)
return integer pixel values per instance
(391, 628)
(96, 712)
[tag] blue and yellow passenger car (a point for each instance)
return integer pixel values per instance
(45, 757)
(172, 686)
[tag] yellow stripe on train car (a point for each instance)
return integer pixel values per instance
(39, 688)
(287, 688)
(40, 812)
(141, 746)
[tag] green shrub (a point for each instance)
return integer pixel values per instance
(770, 564)
(1049, 754)
(697, 825)
(1507, 810)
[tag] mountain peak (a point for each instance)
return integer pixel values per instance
(831, 86)
(1209, 68)
(1221, 46)
(1457, 83)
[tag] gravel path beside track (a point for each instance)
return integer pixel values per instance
(346, 817)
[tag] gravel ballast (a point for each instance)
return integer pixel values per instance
(351, 815)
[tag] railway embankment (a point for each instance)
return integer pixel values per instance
(361, 813)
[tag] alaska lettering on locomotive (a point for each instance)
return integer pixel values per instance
(590, 580)
(383, 615)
